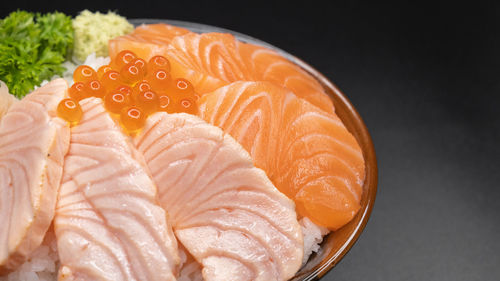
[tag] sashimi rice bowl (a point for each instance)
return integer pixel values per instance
(167, 150)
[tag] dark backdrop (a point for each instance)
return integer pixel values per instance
(425, 80)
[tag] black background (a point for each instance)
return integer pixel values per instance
(425, 78)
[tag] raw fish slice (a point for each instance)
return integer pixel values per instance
(307, 153)
(108, 223)
(225, 211)
(146, 41)
(33, 143)
(212, 60)
(6, 99)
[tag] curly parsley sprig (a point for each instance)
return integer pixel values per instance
(33, 48)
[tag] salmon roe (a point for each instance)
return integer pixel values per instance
(123, 58)
(148, 101)
(132, 88)
(78, 91)
(70, 110)
(132, 119)
(84, 73)
(95, 89)
(111, 80)
(158, 62)
(126, 90)
(115, 101)
(142, 86)
(182, 88)
(130, 74)
(159, 80)
(103, 69)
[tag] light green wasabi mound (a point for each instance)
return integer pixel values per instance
(94, 30)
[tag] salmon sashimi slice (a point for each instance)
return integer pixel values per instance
(212, 60)
(307, 153)
(146, 41)
(224, 211)
(108, 223)
(33, 142)
(6, 99)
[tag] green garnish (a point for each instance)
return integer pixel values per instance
(33, 48)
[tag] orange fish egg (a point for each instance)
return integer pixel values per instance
(123, 58)
(126, 90)
(148, 101)
(142, 86)
(95, 89)
(84, 73)
(164, 104)
(158, 62)
(70, 110)
(182, 88)
(78, 91)
(103, 69)
(132, 119)
(115, 101)
(131, 74)
(188, 105)
(111, 80)
(159, 80)
(141, 64)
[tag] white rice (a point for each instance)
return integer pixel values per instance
(44, 263)
(91, 60)
(313, 236)
(41, 266)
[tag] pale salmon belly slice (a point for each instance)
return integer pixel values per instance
(224, 211)
(33, 143)
(108, 223)
(212, 60)
(6, 99)
(146, 40)
(307, 153)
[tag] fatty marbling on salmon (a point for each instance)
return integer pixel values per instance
(108, 223)
(307, 153)
(224, 211)
(33, 143)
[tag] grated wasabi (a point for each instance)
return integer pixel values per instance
(94, 30)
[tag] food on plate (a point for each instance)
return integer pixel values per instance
(141, 186)
(33, 49)
(224, 211)
(33, 143)
(307, 153)
(94, 30)
(108, 223)
(146, 40)
(6, 99)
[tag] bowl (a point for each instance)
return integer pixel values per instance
(336, 244)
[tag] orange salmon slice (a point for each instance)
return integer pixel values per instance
(109, 224)
(307, 153)
(212, 60)
(33, 143)
(224, 211)
(146, 41)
